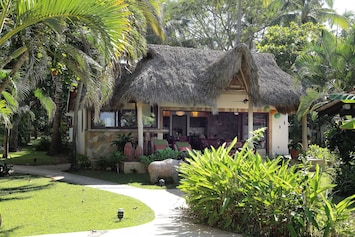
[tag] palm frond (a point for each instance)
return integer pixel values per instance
(25, 109)
(5, 113)
(307, 101)
(107, 19)
(339, 20)
(46, 102)
(151, 11)
(342, 97)
(5, 8)
(10, 100)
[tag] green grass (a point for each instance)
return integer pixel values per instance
(27, 154)
(136, 180)
(30, 156)
(34, 206)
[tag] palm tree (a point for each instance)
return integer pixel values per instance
(325, 68)
(109, 22)
(99, 91)
(303, 11)
(21, 38)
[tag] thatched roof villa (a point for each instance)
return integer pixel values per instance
(177, 92)
(197, 77)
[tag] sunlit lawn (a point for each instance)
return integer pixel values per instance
(136, 180)
(34, 206)
(30, 156)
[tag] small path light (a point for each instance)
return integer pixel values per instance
(161, 182)
(120, 213)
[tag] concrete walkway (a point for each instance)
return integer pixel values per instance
(168, 206)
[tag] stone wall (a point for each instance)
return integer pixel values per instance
(99, 142)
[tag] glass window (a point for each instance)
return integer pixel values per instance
(127, 117)
(149, 115)
(260, 120)
(107, 119)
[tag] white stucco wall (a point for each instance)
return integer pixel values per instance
(82, 126)
(82, 121)
(279, 133)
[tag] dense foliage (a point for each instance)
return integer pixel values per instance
(167, 153)
(343, 142)
(246, 194)
(287, 42)
(213, 24)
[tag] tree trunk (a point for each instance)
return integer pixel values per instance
(239, 21)
(56, 140)
(5, 153)
(304, 133)
(13, 141)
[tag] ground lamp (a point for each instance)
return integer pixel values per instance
(161, 182)
(120, 213)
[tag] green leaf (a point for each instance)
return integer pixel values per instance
(310, 217)
(46, 102)
(292, 230)
(342, 96)
(225, 204)
(3, 74)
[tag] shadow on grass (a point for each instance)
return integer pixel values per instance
(5, 193)
(8, 233)
(29, 155)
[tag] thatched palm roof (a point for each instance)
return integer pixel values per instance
(277, 88)
(196, 77)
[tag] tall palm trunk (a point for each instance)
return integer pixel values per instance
(56, 141)
(5, 153)
(239, 21)
(13, 139)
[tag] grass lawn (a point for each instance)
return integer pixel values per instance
(30, 156)
(33, 206)
(27, 155)
(136, 180)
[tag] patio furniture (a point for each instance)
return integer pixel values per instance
(237, 146)
(182, 146)
(208, 142)
(184, 139)
(171, 141)
(160, 144)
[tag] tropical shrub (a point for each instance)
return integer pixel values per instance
(345, 179)
(43, 143)
(341, 141)
(111, 161)
(121, 141)
(164, 154)
(317, 152)
(83, 162)
(246, 194)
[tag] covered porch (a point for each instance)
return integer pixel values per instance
(203, 96)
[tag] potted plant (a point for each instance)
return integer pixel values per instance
(121, 141)
(295, 148)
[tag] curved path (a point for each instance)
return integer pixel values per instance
(167, 204)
